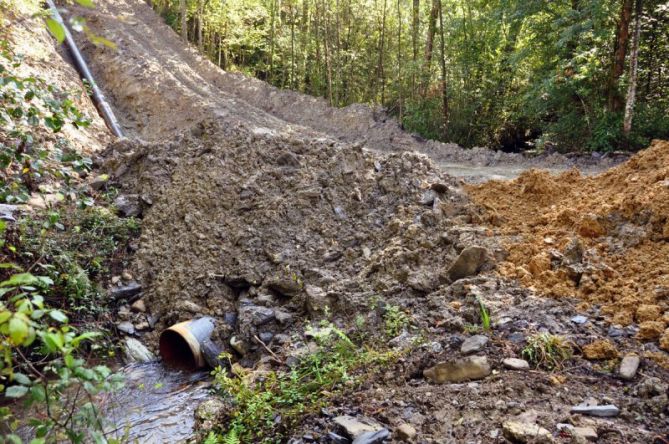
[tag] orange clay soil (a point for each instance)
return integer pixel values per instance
(603, 239)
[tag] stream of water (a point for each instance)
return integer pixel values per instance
(156, 404)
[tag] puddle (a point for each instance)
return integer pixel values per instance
(156, 404)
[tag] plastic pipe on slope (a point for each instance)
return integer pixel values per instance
(82, 67)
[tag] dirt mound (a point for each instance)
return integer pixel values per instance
(603, 239)
(243, 223)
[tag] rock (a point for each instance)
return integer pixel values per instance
(283, 317)
(516, 364)
(126, 327)
(473, 344)
(126, 291)
(521, 432)
(138, 306)
(239, 345)
(573, 252)
(602, 411)
(100, 181)
(188, 307)
(579, 319)
(142, 325)
(372, 437)
(354, 427)
(428, 197)
(210, 413)
(600, 349)
(135, 351)
(7, 212)
(473, 367)
(615, 331)
(337, 439)
(405, 432)
(650, 330)
(266, 337)
(651, 387)
(317, 300)
(256, 315)
(629, 366)
(126, 275)
(128, 206)
(288, 287)
(587, 433)
(468, 263)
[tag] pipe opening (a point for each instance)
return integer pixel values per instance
(176, 351)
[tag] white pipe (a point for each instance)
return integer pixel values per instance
(98, 96)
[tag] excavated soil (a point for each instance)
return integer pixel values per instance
(603, 239)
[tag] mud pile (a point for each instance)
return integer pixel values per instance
(257, 228)
(604, 239)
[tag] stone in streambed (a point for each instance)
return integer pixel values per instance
(466, 369)
(135, 351)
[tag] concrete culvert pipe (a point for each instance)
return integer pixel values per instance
(184, 344)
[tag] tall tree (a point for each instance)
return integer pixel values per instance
(183, 14)
(444, 89)
(634, 64)
(619, 54)
(429, 43)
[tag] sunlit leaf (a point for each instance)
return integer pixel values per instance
(56, 29)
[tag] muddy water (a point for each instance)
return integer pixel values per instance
(156, 404)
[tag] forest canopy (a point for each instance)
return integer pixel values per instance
(510, 74)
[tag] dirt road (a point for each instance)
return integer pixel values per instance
(160, 86)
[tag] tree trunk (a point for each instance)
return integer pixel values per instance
(444, 90)
(429, 44)
(399, 60)
(200, 25)
(415, 25)
(382, 41)
(634, 62)
(184, 19)
(619, 53)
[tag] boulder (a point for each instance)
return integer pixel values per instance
(468, 263)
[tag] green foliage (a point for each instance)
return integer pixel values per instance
(40, 364)
(31, 111)
(395, 320)
(517, 74)
(547, 351)
(485, 316)
(74, 247)
(267, 406)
